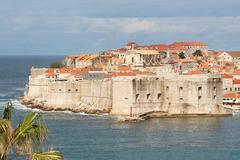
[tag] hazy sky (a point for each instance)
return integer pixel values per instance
(86, 26)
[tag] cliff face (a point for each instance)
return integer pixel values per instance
(167, 95)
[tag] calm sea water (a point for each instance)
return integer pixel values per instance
(88, 137)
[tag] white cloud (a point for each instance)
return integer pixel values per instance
(137, 26)
(108, 32)
(189, 25)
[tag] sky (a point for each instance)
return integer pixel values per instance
(59, 27)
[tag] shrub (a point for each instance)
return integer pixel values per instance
(57, 64)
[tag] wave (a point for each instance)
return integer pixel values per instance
(10, 95)
(69, 112)
(4, 95)
(19, 89)
(18, 106)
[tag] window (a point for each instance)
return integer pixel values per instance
(132, 59)
(137, 97)
(199, 97)
(199, 91)
(159, 96)
(167, 88)
(69, 90)
(181, 100)
(60, 89)
(180, 91)
(214, 92)
(76, 90)
(148, 96)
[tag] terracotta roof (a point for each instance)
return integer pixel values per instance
(87, 57)
(124, 68)
(234, 53)
(232, 95)
(195, 72)
(189, 44)
(147, 52)
(236, 81)
(204, 65)
(161, 47)
(114, 59)
(184, 60)
(131, 43)
(55, 71)
(237, 72)
(123, 74)
(214, 53)
(121, 50)
(228, 76)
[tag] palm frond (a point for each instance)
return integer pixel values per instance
(30, 134)
(50, 155)
(6, 131)
(8, 111)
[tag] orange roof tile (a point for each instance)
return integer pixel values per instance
(130, 43)
(228, 76)
(236, 81)
(189, 44)
(123, 74)
(234, 53)
(184, 60)
(195, 72)
(124, 68)
(232, 95)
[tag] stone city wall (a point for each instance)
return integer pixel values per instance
(172, 94)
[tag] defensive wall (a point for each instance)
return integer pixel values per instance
(133, 95)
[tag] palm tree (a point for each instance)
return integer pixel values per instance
(26, 139)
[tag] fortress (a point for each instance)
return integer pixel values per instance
(134, 96)
(133, 81)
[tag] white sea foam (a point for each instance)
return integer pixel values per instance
(3, 95)
(69, 112)
(19, 89)
(18, 106)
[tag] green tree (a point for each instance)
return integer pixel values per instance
(197, 53)
(26, 139)
(57, 64)
(181, 55)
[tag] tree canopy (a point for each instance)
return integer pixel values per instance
(181, 55)
(197, 53)
(57, 64)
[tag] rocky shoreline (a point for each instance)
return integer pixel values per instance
(38, 104)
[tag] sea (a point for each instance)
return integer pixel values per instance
(81, 136)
